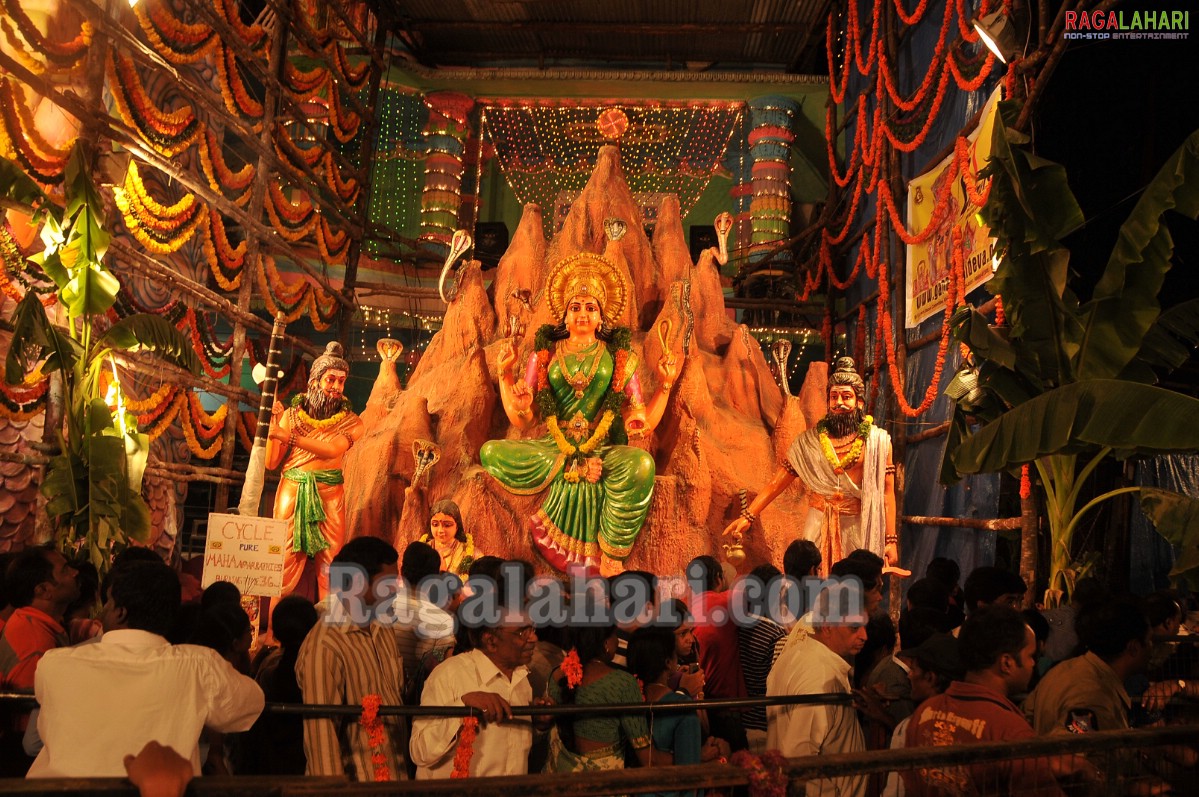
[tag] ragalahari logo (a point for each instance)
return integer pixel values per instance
(1127, 24)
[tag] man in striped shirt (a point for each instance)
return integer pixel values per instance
(349, 655)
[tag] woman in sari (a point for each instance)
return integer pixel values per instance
(598, 743)
(581, 380)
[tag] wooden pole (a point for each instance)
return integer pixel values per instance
(133, 143)
(983, 524)
(278, 54)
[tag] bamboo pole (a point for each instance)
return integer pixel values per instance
(982, 524)
(928, 434)
(278, 53)
(31, 460)
(176, 476)
(147, 265)
(163, 371)
(118, 132)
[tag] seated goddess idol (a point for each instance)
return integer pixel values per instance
(581, 380)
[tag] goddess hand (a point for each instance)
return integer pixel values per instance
(506, 359)
(737, 527)
(668, 369)
(595, 470)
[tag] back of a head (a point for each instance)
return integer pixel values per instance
(1106, 629)
(928, 593)
(801, 559)
(761, 577)
(918, 624)
(635, 589)
(650, 649)
(867, 557)
(220, 593)
(420, 561)
(986, 584)
(1037, 622)
(135, 553)
(370, 553)
(1088, 591)
(704, 573)
(486, 567)
(149, 593)
(27, 570)
(944, 570)
(1160, 607)
(863, 569)
(220, 627)
(293, 618)
(988, 633)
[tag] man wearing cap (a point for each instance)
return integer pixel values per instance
(310, 439)
(845, 466)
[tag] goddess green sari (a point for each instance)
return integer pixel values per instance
(578, 520)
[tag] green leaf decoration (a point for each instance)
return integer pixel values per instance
(144, 331)
(91, 290)
(1176, 518)
(31, 325)
(1125, 305)
(1126, 416)
(17, 186)
(1167, 345)
(973, 329)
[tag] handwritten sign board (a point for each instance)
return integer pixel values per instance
(246, 551)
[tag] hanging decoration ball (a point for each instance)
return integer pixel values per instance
(612, 124)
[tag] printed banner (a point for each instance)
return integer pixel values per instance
(246, 551)
(928, 263)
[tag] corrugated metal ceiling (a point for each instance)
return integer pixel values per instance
(728, 35)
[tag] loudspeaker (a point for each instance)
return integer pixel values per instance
(491, 241)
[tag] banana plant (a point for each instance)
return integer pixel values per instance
(1070, 383)
(93, 484)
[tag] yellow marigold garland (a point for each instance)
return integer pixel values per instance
(855, 451)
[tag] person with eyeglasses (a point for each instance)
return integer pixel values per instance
(490, 678)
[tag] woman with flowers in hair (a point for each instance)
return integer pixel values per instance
(581, 381)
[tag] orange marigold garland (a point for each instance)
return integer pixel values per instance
(466, 747)
(767, 773)
(376, 736)
(169, 132)
(1025, 483)
(174, 40)
(572, 668)
(61, 54)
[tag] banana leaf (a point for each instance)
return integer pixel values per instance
(16, 185)
(1167, 345)
(31, 325)
(1176, 518)
(1127, 416)
(1124, 305)
(151, 333)
(1029, 209)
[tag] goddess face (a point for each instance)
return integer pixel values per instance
(583, 316)
(442, 529)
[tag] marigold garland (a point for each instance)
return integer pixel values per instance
(572, 668)
(466, 747)
(234, 185)
(1025, 483)
(376, 736)
(855, 450)
(61, 54)
(168, 132)
(767, 773)
(15, 137)
(174, 40)
(233, 90)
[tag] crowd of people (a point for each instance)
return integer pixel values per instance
(164, 667)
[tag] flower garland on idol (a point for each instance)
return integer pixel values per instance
(611, 424)
(855, 450)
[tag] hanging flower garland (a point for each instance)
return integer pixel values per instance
(345, 122)
(22, 402)
(18, 137)
(173, 39)
(355, 78)
(162, 229)
(225, 261)
(376, 736)
(233, 90)
(293, 221)
(466, 747)
(62, 55)
(346, 190)
(234, 185)
(572, 668)
(254, 36)
(167, 132)
(303, 85)
(331, 244)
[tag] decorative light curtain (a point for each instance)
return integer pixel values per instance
(548, 147)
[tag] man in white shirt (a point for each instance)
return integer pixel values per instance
(104, 701)
(491, 678)
(814, 662)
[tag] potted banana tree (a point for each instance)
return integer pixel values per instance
(1069, 382)
(93, 484)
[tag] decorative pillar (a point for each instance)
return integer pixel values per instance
(445, 136)
(771, 135)
(737, 162)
